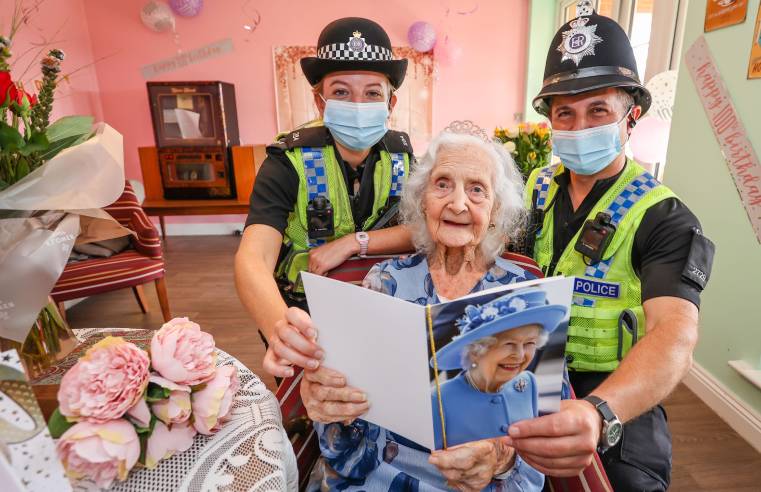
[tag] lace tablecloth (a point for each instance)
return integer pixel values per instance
(250, 452)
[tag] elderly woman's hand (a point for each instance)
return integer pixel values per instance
(328, 399)
(471, 466)
(293, 342)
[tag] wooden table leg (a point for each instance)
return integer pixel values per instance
(163, 228)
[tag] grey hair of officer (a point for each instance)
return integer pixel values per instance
(474, 351)
(508, 215)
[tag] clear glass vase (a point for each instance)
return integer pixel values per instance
(49, 341)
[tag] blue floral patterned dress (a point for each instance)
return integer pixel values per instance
(365, 457)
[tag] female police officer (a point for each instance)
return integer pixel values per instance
(323, 187)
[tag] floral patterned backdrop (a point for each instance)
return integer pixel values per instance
(413, 112)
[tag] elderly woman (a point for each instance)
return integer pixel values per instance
(461, 202)
(497, 342)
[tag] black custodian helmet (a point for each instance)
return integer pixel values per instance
(588, 53)
(354, 43)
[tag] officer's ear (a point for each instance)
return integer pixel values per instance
(319, 100)
(634, 115)
(391, 102)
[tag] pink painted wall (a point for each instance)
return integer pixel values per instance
(486, 84)
(62, 24)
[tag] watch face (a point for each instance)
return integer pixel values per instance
(614, 432)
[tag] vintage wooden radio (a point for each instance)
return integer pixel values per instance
(195, 125)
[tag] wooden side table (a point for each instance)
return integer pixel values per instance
(246, 162)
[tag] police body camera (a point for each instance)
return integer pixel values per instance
(320, 218)
(595, 237)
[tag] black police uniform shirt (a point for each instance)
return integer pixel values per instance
(662, 243)
(277, 184)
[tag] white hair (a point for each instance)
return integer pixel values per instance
(508, 214)
(473, 351)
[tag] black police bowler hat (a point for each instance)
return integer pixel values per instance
(354, 43)
(588, 53)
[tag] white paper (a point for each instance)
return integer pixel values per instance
(188, 121)
(379, 343)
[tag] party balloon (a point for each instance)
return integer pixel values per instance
(186, 8)
(662, 88)
(422, 36)
(446, 52)
(650, 140)
(157, 16)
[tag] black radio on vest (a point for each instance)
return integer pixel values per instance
(320, 218)
(595, 237)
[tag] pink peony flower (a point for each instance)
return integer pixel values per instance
(176, 408)
(213, 403)
(101, 452)
(182, 353)
(106, 382)
(165, 442)
(140, 414)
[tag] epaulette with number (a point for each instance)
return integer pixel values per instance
(395, 141)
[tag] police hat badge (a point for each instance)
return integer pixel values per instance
(579, 41)
(357, 42)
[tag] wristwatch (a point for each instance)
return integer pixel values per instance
(612, 428)
(363, 239)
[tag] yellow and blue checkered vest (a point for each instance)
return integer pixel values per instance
(320, 174)
(609, 291)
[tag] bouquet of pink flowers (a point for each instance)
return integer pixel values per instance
(120, 406)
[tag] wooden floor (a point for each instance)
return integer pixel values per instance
(708, 454)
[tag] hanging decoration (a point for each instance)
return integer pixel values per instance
(729, 130)
(754, 64)
(724, 13)
(662, 89)
(186, 8)
(422, 36)
(446, 51)
(157, 16)
(252, 18)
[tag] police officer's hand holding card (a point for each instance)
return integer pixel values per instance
(323, 188)
(639, 259)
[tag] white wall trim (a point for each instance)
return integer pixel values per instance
(735, 412)
(202, 229)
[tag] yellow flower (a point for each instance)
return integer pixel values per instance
(532, 155)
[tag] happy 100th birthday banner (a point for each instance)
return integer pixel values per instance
(728, 128)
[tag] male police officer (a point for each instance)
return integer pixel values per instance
(639, 259)
(323, 187)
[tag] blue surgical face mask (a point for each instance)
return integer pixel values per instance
(357, 126)
(591, 150)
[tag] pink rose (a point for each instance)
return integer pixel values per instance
(101, 452)
(106, 382)
(165, 442)
(182, 353)
(176, 408)
(213, 403)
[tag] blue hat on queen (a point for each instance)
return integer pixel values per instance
(513, 310)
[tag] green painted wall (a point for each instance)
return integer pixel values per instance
(541, 31)
(730, 327)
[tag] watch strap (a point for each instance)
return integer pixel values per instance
(602, 407)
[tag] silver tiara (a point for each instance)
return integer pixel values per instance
(467, 127)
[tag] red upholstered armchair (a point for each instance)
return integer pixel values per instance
(141, 263)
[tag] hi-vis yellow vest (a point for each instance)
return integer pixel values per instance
(606, 315)
(320, 174)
